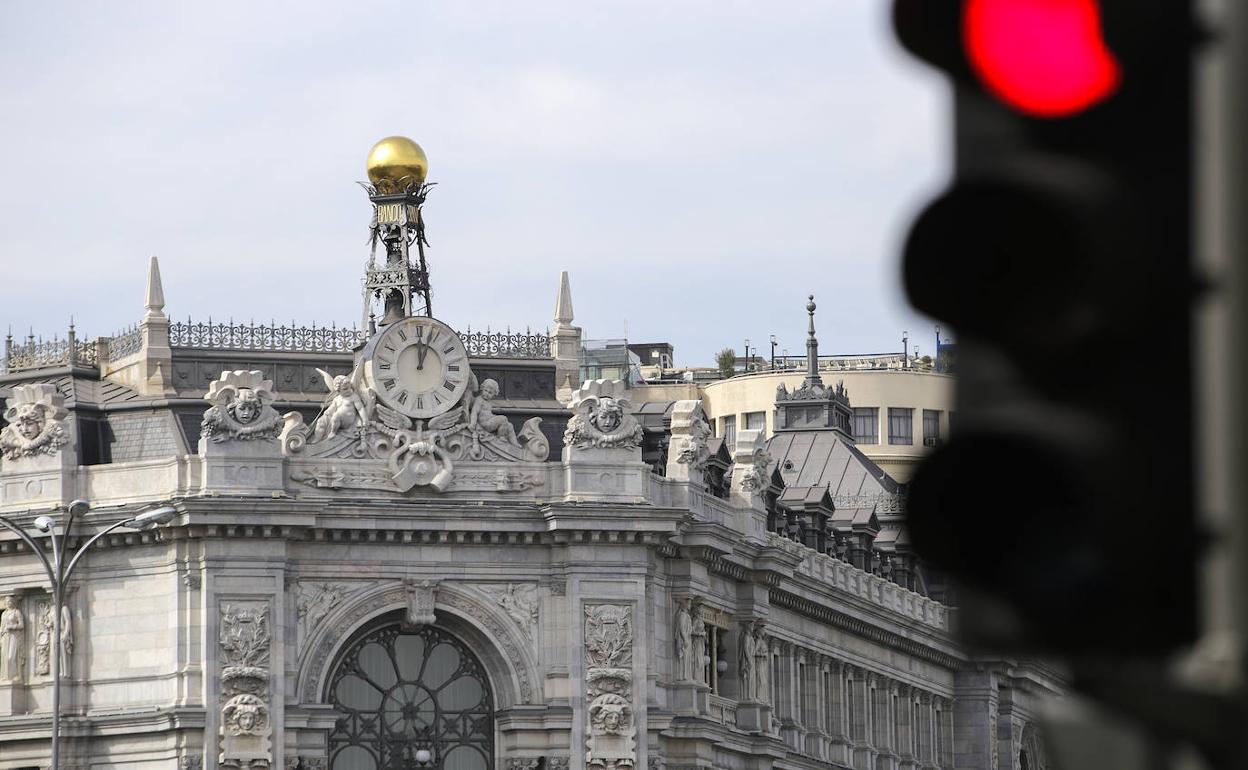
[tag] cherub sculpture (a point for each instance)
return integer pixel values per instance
(241, 408)
(481, 414)
(345, 408)
(36, 417)
(601, 418)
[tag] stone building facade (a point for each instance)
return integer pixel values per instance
(530, 579)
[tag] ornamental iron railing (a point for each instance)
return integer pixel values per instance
(335, 339)
(269, 337)
(47, 354)
(125, 343)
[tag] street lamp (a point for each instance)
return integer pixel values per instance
(59, 573)
(773, 352)
(746, 368)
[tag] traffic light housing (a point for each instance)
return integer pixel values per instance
(1061, 255)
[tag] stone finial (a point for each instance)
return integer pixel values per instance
(155, 301)
(36, 422)
(563, 303)
(812, 348)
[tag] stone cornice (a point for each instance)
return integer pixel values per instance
(865, 629)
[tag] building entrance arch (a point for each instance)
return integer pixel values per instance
(400, 693)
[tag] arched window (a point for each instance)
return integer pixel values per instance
(410, 700)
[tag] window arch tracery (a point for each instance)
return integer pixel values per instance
(402, 692)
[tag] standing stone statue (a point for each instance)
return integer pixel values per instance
(67, 640)
(762, 664)
(684, 641)
(745, 665)
(12, 626)
(697, 654)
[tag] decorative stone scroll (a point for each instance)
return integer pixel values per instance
(602, 418)
(610, 737)
(749, 464)
(246, 725)
(354, 424)
(689, 449)
(242, 408)
(36, 422)
(420, 603)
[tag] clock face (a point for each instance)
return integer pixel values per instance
(418, 366)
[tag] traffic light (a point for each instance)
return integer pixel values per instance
(1061, 255)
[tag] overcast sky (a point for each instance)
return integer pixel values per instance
(698, 167)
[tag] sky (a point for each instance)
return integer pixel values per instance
(698, 167)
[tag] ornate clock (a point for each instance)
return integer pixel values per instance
(418, 366)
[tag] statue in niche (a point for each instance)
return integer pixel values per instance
(762, 664)
(684, 641)
(241, 408)
(345, 408)
(66, 647)
(745, 664)
(12, 629)
(36, 417)
(698, 649)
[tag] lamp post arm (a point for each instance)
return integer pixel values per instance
(34, 547)
(87, 545)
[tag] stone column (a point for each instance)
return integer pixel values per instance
(974, 719)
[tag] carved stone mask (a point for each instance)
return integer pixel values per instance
(609, 415)
(246, 406)
(30, 421)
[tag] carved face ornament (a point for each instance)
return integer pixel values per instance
(30, 421)
(246, 406)
(608, 415)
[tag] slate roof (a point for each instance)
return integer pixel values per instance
(826, 459)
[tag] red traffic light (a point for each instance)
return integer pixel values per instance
(1045, 58)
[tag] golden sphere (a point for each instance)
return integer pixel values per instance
(396, 163)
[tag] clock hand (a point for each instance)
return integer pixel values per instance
(421, 352)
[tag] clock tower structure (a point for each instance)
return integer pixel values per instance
(399, 280)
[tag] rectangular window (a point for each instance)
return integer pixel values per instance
(756, 420)
(730, 431)
(867, 425)
(900, 425)
(931, 426)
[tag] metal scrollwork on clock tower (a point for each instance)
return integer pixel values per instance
(397, 167)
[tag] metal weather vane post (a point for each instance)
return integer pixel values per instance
(59, 572)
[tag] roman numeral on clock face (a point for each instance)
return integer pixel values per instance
(420, 402)
(401, 334)
(383, 364)
(449, 349)
(450, 386)
(452, 368)
(402, 399)
(388, 383)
